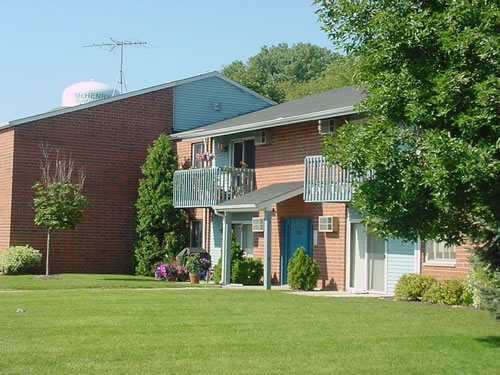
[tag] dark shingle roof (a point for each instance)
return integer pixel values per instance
(263, 198)
(339, 101)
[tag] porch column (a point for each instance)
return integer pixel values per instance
(267, 249)
(226, 248)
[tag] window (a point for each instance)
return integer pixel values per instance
(244, 236)
(438, 252)
(197, 149)
(196, 233)
(244, 151)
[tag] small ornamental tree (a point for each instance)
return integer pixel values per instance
(160, 227)
(59, 200)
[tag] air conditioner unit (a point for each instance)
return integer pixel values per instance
(257, 224)
(329, 125)
(261, 138)
(328, 224)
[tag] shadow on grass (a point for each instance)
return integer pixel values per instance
(491, 341)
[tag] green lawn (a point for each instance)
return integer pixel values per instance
(104, 324)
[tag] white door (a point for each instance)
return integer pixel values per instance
(366, 260)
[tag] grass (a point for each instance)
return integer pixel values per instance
(103, 324)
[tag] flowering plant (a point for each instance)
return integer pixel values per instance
(243, 164)
(195, 263)
(171, 272)
(205, 157)
(205, 263)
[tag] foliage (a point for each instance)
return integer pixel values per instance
(17, 259)
(283, 73)
(412, 286)
(483, 282)
(490, 299)
(58, 205)
(171, 272)
(58, 199)
(431, 73)
(160, 227)
(450, 292)
(247, 271)
(303, 271)
(195, 263)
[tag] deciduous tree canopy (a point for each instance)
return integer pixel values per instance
(431, 71)
(284, 73)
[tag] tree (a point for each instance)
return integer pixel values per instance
(160, 227)
(430, 69)
(279, 72)
(59, 200)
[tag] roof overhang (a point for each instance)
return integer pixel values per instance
(244, 127)
(262, 199)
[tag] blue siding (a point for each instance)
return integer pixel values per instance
(353, 214)
(400, 260)
(216, 233)
(195, 103)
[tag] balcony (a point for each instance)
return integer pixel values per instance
(206, 187)
(324, 183)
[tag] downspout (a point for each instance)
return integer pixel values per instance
(226, 247)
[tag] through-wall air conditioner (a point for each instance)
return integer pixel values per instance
(329, 125)
(257, 224)
(261, 138)
(328, 224)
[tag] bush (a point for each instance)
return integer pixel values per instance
(303, 271)
(450, 292)
(248, 271)
(483, 283)
(17, 259)
(412, 286)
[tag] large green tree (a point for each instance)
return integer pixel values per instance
(161, 230)
(431, 71)
(59, 200)
(284, 73)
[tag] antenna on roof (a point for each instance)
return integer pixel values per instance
(110, 46)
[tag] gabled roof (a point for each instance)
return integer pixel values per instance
(60, 111)
(337, 102)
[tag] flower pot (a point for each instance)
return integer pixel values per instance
(194, 278)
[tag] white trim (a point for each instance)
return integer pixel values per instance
(348, 261)
(418, 257)
(444, 263)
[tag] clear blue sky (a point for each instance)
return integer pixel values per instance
(42, 42)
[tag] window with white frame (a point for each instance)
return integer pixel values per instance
(197, 149)
(439, 252)
(244, 236)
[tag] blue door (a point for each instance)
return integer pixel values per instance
(297, 232)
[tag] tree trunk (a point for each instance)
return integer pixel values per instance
(47, 256)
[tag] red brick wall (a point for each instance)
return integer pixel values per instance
(6, 152)
(460, 269)
(110, 141)
(329, 251)
(283, 159)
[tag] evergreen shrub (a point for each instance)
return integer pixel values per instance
(303, 271)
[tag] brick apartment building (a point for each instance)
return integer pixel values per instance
(109, 139)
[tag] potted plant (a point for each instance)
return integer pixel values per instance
(194, 267)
